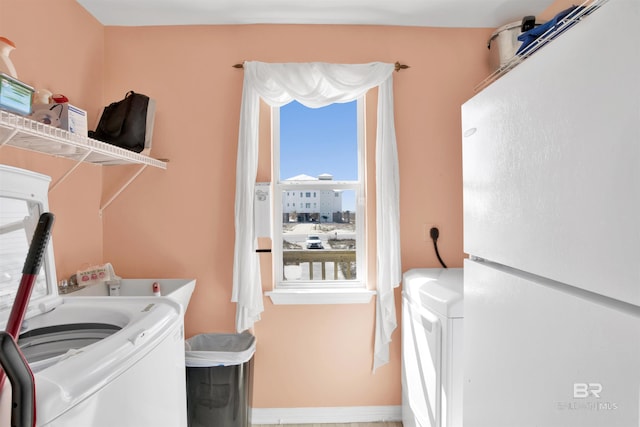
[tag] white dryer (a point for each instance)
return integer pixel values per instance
(432, 316)
(97, 361)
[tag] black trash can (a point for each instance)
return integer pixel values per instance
(219, 379)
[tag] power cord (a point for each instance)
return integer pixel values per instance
(435, 233)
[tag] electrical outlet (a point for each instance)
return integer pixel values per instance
(426, 231)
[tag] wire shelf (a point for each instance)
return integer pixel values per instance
(563, 25)
(24, 133)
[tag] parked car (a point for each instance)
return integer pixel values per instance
(314, 242)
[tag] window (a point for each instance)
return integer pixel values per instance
(318, 83)
(320, 152)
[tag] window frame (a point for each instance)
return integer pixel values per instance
(320, 291)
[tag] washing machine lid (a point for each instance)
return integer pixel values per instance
(81, 374)
(438, 289)
(23, 197)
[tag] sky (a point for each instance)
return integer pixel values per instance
(320, 140)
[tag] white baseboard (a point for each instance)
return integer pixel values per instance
(335, 415)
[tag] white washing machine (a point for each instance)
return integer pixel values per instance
(432, 316)
(97, 361)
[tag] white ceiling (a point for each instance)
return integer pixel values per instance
(423, 13)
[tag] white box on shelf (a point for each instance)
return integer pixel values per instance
(64, 116)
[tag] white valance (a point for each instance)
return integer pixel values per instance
(316, 85)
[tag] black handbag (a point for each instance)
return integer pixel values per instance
(128, 123)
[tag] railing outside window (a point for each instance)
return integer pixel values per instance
(340, 264)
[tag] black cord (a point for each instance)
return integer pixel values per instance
(435, 233)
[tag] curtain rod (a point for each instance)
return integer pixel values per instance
(398, 65)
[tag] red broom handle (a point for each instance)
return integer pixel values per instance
(32, 265)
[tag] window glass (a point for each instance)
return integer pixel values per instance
(318, 155)
(317, 141)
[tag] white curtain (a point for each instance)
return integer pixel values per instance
(316, 85)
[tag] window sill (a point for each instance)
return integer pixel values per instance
(320, 296)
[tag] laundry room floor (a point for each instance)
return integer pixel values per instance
(390, 424)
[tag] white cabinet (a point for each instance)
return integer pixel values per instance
(552, 148)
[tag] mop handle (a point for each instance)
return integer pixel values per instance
(29, 273)
(23, 408)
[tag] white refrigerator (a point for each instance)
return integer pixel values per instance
(551, 177)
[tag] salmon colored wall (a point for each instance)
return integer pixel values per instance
(179, 222)
(61, 49)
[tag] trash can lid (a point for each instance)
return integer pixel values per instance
(206, 350)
